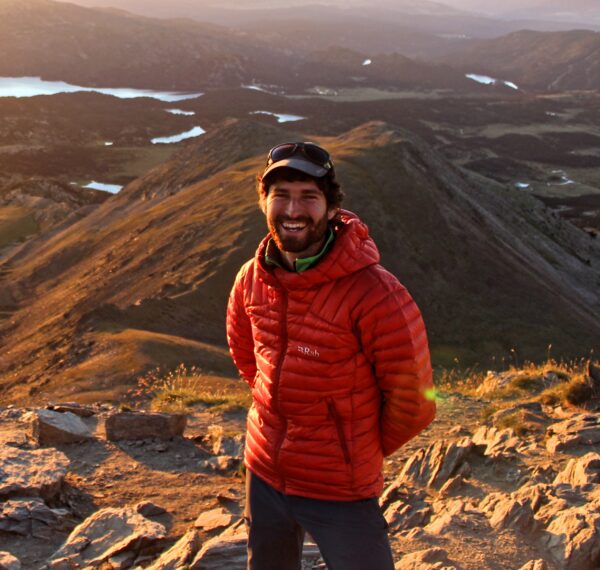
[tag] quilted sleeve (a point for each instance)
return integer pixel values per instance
(394, 340)
(239, 331)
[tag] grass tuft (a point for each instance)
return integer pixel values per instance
(184, 388)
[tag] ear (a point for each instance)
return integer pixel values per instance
(262, 204)
(332, 213)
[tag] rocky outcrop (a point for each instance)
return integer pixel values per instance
(573, 537)
(454, 516)
(55, 428)
(434, 465)
(30, 517)
(508, 512)
(581, 471)
(578, 430)
(134, 426)
(37, 473)
(119, 534)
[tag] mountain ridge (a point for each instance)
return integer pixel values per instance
(144, 278)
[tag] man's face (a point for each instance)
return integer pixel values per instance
(297, 216)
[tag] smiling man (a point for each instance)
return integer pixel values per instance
(336, 354)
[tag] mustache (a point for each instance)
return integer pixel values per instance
(300, 219)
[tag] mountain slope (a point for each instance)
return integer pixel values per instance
(538, 60)
(143, 280)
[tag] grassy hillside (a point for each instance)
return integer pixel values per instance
(145, 277)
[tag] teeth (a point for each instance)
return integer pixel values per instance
(293, 226)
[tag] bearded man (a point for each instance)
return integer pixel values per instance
(336, 355)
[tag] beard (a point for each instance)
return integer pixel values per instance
(314, 233)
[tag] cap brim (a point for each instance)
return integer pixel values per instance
(298, 164)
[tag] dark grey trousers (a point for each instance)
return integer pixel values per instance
(350, 535)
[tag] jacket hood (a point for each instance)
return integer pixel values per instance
(352, 251)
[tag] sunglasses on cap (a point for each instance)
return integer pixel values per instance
(314, 153)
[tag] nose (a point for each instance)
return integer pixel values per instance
(293, 208)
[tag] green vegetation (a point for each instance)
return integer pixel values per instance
(184, 388)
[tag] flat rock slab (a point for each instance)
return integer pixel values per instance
(140, 425)
(37, 473)
(55, 428)
(214, 519)
(106, 534)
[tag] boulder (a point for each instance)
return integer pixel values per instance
(434, 465)
(55, 428)
(573, 537)
(577, 430)
(38, 472)
(581, 471)
(430, 559)
(107, 534)
(30, 517)
(134, 426)
(181, 554)
(9, 562)
(214, 519)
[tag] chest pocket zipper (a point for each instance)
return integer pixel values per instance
(340, 430)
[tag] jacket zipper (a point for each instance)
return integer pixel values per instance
(340, 430)
(284, 343)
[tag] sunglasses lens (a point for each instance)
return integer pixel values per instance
(282, 151)
(316, 154)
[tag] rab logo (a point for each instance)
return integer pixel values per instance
(308, 351)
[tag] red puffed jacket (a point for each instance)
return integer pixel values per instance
(338, 363)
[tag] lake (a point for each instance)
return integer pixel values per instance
(195, 132)
(33, 86)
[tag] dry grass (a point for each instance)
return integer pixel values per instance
(184, 388)
(551, 382)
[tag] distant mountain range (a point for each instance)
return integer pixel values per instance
(538, 60)
(567, 11)
(475, 19)
(143, 279)
(87, 46)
